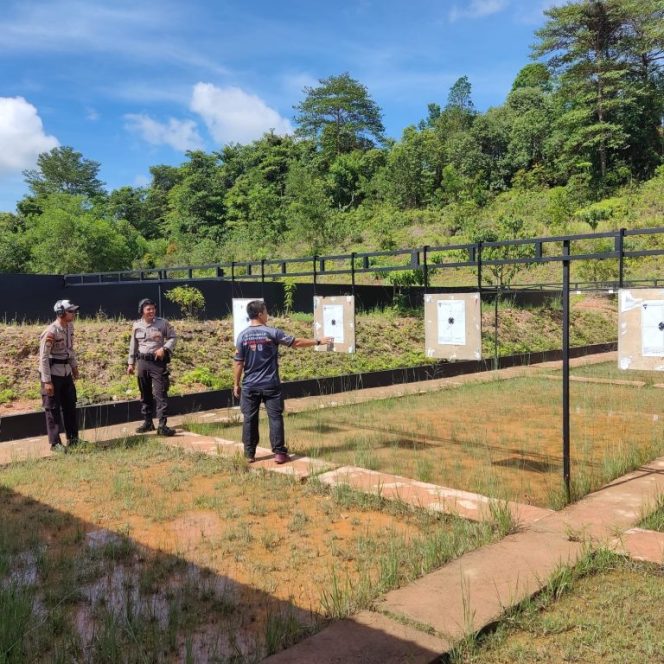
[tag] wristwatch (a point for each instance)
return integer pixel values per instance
(317, 342)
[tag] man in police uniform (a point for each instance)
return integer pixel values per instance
(152, 342)
(57, 371)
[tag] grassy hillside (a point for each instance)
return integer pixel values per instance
(203, 360)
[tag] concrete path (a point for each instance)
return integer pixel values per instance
(429, 496)
(424, 619)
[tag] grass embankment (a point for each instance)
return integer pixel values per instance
(137, 552)
(604, 610)
(385, 340)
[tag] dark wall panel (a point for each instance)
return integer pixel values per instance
(30, 297)
(15, 427)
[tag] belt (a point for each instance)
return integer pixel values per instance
(55, 360)
(147, 356)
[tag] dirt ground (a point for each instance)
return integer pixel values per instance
(206, 553)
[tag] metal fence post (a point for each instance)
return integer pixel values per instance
(262, 279)
(425, 266)
(479, 265)
(315, 273)
(566, 437)
(621, 257)
(352, 272)
(495, 329)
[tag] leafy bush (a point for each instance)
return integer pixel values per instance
(202, 376)
(289, 294)
(190, 300)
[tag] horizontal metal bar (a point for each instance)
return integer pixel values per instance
(538, 244)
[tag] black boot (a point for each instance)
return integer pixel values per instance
(164, 430)
(145, 427)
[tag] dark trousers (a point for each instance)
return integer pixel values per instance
(63, 401)
(153, 382)
(250, 401)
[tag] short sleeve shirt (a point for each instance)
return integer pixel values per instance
(258, 347)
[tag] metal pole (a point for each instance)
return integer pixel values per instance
(479, 266)
(352, 272)
(161, 313)
(315, 275)
(566, 437)
(232, 279)
(262, 279)
(495, 329)
(425, 267)
(621, 258)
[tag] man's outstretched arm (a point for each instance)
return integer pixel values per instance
(306, 343)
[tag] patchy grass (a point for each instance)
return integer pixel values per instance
(655, 520)
(138, 552)
(501, 439)
(604, 610)
(203, 360)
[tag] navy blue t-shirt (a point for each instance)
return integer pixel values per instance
(258, 347)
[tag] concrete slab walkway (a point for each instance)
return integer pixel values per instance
(476, 589)
(428, 496)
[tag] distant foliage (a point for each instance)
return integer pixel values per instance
(190, 300)
(581, 125)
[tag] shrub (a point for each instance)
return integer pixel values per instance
(190, 300)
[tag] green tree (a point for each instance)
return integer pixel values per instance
(506, 227)
(196, 202)
(14, 251)
(308, 210)
(414, 167)
(594, 48)
(349, 178)
(340, 116)
(155, 207)
(256, 176)
(69, 237)
(131, 204)
(533, 75)
(530, 114)
(63, 170)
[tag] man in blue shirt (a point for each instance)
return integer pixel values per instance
(257, 356)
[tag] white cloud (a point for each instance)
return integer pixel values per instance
(181, 135)
(477, 9)
(22, 136)
(233, 115)
(148, 31)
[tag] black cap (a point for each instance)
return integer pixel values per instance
(144, 303)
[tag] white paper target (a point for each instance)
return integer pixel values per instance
(652, 328)
(333, 322)
(452, 322)
(240, 318)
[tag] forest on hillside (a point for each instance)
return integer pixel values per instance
(578, 144)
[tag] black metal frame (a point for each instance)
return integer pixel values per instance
(554, 249)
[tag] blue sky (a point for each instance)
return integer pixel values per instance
(136, 83)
